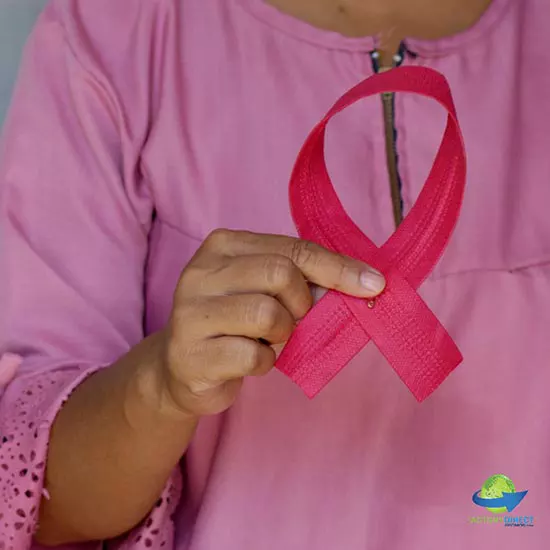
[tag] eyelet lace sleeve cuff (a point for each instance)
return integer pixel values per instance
(28, 408)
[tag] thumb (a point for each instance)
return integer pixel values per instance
(354, 278)
(328, 269)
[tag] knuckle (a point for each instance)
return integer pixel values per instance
(250, 355)
(265, 314)
(174, 355)
(255, 358)
(303, 252)
(218, 239)
(191, 277)
(280, 271)
(340, 277)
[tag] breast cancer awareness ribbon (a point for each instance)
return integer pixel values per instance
(399, 322)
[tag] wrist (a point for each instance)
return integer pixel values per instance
(148, 390)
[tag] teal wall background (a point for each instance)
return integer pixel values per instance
(17, 18)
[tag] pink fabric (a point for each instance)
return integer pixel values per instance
(9, 363)
(402, 326)
(196, 110)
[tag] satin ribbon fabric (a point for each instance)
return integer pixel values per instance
(399, 322)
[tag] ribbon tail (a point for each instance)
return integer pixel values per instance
(409, 335)
(322, 345)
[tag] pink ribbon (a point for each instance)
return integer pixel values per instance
(399, 322)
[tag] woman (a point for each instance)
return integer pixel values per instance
(140, 332)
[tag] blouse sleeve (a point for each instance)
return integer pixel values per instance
(74, 223)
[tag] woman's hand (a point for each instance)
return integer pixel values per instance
(241, 294)
(118, 437)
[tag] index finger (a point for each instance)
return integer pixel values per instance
(320, 266)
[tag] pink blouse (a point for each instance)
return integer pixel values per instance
(137, 128)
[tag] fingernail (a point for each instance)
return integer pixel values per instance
(373, 280)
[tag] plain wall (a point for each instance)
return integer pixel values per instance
(16, 21)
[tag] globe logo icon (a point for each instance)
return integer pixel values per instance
(498, 495)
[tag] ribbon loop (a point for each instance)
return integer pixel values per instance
(401, 325)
